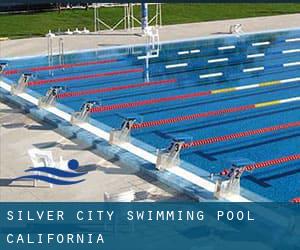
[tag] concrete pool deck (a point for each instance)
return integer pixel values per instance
(19, 133)
(108, 177)
(38, 45)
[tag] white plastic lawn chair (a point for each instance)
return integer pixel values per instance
(77, 32)
(69, 32)
(50, 34)
(41, 158)
(85, 31)
(128, 196)
(236, 29)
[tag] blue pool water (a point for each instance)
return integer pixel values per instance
(237, 61)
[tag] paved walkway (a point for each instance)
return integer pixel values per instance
(35, 46)
(18, 133)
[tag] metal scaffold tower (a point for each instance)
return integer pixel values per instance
(129, 20)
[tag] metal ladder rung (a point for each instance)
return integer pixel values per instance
(61, 51)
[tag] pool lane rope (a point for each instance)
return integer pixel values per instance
(188, 96)
(82, 77)
(265, 164)
(234, 136)
(65, 66)
(212, 113)
(116, 88)
(296, 200)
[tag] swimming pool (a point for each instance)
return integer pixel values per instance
(233, 98)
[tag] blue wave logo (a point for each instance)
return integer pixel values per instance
(62, 174)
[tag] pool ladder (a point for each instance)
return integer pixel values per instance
(50, 53)
(61, 53)
(153, 48)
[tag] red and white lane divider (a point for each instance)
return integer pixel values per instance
(271, 162)
(265, 164)
(81, 77)
(116, 88)
(190, 95)
(240, 135)
(212, 113)
(296, 200)
(54, 67)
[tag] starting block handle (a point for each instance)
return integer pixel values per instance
(122, 135)
(84, 113)
(127, 123)
(22, 83)
(230, 185)
(50, 97)
(169, 157)
(3, 65)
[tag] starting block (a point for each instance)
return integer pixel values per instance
(22, 84)
(50, 97)
(236, 29)
(84, 113)
(226, 188)
(231, 184)
(122, 135)
(3, 65)
(170, 157)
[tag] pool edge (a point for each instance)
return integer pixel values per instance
(105, 150)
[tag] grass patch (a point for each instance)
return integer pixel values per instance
(38, 24)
